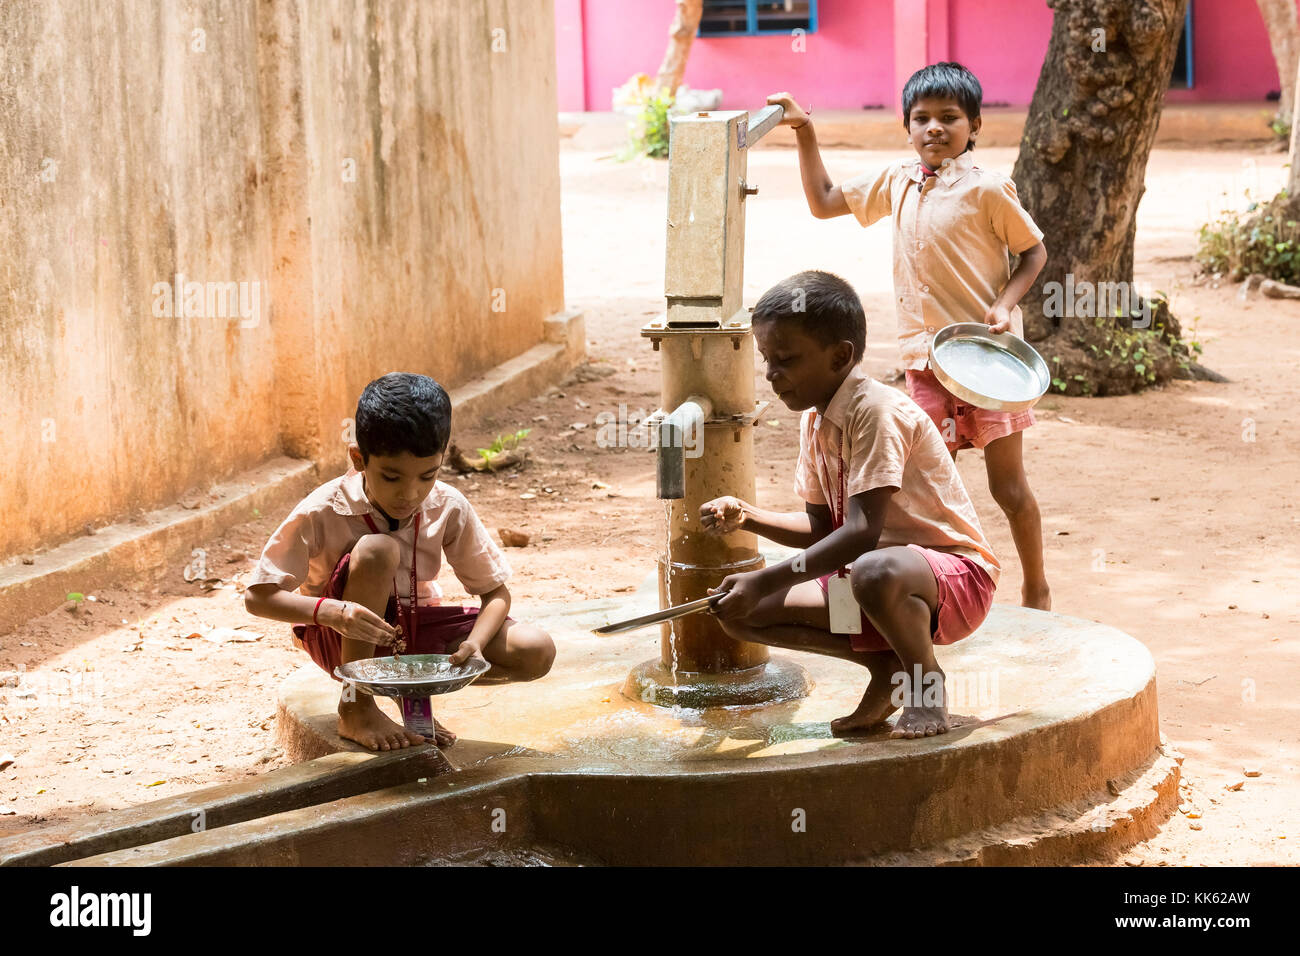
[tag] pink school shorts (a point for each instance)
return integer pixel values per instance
(960, 424)
(965, 596)
(441, 627)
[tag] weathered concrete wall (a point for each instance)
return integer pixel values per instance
(380, 175)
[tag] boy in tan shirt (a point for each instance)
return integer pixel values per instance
(883, 498)
(334, 566)
(954, 224)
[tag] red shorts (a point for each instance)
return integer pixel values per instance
(965, 596)
(441, 626)
(960, 424)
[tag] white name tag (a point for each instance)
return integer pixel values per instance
(846, 615)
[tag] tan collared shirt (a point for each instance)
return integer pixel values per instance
(952, 234)
(889, 442)
(303, 552)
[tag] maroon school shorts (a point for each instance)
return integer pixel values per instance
(965, 598)
(441, 626)
(962, 425)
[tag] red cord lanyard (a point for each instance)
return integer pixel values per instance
(412, 619)
(838, 512)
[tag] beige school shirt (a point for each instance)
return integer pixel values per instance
(303, 552)
(952, 234)
(887, 441)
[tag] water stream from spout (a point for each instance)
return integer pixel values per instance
(668, 584)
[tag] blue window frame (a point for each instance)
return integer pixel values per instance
(740, 18)
(1183, 75)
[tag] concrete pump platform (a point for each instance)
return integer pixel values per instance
(1055, 755)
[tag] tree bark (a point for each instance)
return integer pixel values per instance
(1284, 37)
(1293, 174)
(1080, 174)
(686, 21)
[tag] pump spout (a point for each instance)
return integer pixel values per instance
(681, 436)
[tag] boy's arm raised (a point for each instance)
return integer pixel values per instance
(825, 199)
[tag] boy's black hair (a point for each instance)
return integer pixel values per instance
(401, 412)
(947, 81)
(821, 304)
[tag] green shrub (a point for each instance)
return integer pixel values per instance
(648, 133)
(1263, 239)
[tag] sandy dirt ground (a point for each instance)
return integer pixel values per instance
(1171, 515)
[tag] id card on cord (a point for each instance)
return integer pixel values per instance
(845, 614)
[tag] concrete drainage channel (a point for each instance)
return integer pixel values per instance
(529, 814)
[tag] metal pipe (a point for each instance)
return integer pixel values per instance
(681, 435)
(766, 119)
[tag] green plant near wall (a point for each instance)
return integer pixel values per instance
(648, 133)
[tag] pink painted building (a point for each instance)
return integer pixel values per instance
(857, 53)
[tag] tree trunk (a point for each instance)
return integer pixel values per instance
(680, 35)
(1293, 173)
(1080, 175)
(1284, 36)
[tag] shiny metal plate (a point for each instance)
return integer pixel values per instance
(411, 675)
(999, 372)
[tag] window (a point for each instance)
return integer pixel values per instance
(754, 17)
(1182, 76)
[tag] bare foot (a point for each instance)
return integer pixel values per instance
(921, 722)
(1039, 597)
(925, 708)
(365, 723)
(875, 707)
(443, 737)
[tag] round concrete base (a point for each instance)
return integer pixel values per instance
(777, 680)
(1054, 754)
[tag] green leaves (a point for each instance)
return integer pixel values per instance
(1262, 239)
(650, 131)
(502, 443)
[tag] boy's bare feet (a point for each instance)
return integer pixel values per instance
(878, 702)
(921, 722)
(875, 707)
(1036, 596)
(364, 722)
(925, 708)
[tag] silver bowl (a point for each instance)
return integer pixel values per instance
(411, 675)
(1000, 372)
